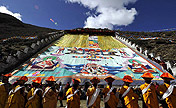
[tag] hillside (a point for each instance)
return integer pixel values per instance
(20, 41)
(10, 26)
(158, 43)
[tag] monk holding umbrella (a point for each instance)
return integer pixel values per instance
(167, 91)
(110, 100)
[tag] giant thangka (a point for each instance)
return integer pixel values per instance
(84, 56)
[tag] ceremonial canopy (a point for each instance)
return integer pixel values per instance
(86, 56)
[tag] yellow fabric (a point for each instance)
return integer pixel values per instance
(70, 40)
(74, 101)
(50, 99)
(15, 100)
(34, 102)
(109, 42)
(113, 100)
(131, 99)
(104, 42)
(150, 97)
(90, 92)
(170, 100)
(3, 96)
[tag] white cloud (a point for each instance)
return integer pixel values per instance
(110, 13)
(4, 9)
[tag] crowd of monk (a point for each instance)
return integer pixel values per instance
(16, 95)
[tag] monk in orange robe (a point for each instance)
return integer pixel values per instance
(127, 95)
(93, 94)
(35, 95)
(149, 92)
(16, 98)
(50, 94)
(167, 100)
(73, 95)
(4, 90)
(110, 100)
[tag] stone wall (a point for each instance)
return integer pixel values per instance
(170, 67)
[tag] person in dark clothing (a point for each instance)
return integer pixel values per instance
(61, 94)
(67, 87)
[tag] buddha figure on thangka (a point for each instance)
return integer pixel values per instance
(47, 63)
(92, 68)
(137, 67)
(93, 42)
(124, 53)
(59, 51)
(93, 55)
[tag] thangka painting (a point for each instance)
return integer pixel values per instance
(84, 56)
(44, 63)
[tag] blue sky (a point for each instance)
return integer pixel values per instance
(132, 15)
